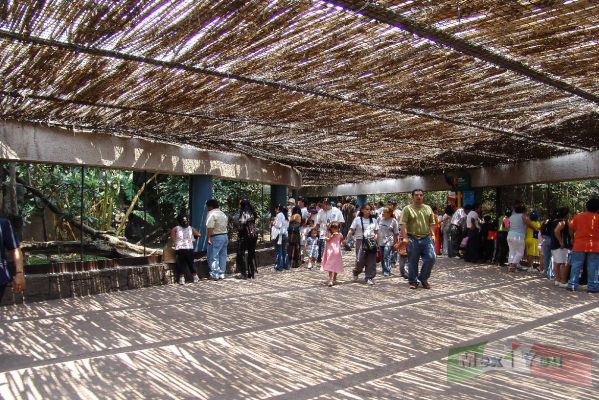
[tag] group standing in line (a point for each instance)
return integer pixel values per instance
(567, 252)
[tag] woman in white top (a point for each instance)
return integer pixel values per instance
(365, 227)
(446, 227)
(183, 236)
(281, 223)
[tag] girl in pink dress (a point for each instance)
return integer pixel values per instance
(332, 262)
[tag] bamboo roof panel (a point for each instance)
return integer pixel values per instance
(280, 79)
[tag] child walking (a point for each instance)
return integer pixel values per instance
(305, 234)
(332, 261)
(402, 251)
(312, 247)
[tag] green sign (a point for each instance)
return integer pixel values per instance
(461, 182)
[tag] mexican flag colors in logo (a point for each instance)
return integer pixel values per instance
(561, 365)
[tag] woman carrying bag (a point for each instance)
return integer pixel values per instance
(365, 227)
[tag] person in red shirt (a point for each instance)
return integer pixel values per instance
(585, 227)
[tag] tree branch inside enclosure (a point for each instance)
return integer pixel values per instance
(122, 247)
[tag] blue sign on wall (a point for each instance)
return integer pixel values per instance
(468, 197)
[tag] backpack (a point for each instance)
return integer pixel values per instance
(250, 231)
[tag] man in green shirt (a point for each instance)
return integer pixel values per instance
(417, 230)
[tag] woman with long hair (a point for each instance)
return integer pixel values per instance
(246, 240)
(365, 227)
(561, 243)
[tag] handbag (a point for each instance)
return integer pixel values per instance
(274, 233)
(369, 244)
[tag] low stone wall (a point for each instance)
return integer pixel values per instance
(58, 285)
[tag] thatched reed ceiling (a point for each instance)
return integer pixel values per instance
(345, 92)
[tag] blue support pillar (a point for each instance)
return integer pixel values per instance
(361, 200)
(278, 195)
(200, 191)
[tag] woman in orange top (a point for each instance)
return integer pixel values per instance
(585, 227)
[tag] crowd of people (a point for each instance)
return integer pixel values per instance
(565, 250)
(385, 235)
(315, 235)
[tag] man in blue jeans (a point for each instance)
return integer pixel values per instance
(417, 230)
(585, 227)
(216, 225)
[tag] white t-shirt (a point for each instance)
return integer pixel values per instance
(472, 215)
(282, 224)
(457, 216)
(184, 238)
(371, 226)
(388, 228)
(217, 220)
(337, 215)
(304, 234)
(305, 213)
(325, 217)
(313, 217)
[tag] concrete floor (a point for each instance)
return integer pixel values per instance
(288, 336)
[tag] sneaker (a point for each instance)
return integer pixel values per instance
(369, 282)
(196, 279)
(570, 289)
(355, 278)
(386, 274)
(562, 285)
(182, 280)
(413, 286)
(426, 285)
(221, 277)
